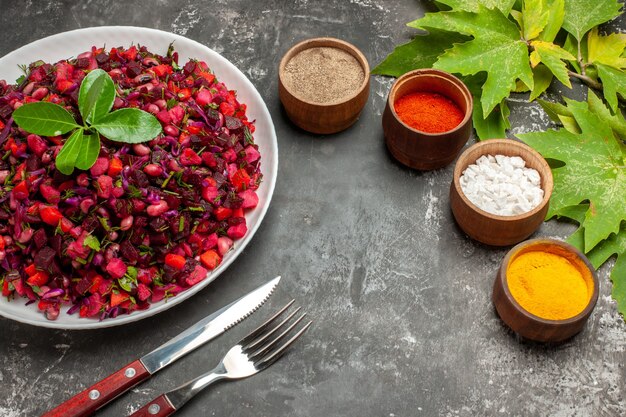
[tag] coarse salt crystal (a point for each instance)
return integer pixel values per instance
(502, 185)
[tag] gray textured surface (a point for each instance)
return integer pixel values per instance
(404, 325)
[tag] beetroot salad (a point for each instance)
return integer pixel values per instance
(146, 221)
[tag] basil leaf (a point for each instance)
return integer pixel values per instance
(96, 95)
(42, 118)
(129, 126)
(69, 152)
(89, 151)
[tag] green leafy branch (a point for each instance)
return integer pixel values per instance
(505, 46)
(95, 101)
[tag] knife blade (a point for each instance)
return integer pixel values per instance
(99, 394)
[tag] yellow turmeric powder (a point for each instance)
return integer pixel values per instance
(548, 285)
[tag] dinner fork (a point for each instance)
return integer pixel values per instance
(254, 353)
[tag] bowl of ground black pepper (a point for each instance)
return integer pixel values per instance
(427, 119)
(545, 290)
(323, 84)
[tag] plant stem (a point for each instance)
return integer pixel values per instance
(586, 79)
(580, 60)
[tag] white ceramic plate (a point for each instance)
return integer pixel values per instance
(70, 44)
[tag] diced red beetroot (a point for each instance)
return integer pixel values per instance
(49, 193)
(36, 144)
(189, 157)
(116, 268)
(19, 286)
(229, 155)
(100, 167)
(204, 97)
(77, 248)
(227, 109)
(95, 304)
(222, 213)
(164, 117)
(145, 276)
(197, 275)
(240, 179)
(158, 293)
(63, 85)
(237, 231)
(20, 191)
(37, 74)
(143, 292)
(209, 159)
(64, 71)
(50, 215)
(176, 114)
(251, 154)
(117, 192)
(105, 185)
(210, 241)
(210, 193)
(250, 199)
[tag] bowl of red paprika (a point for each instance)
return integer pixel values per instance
(427, 118)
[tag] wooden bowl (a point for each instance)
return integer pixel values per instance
(422, 150)
(329, 117)
(530, 326)
(493, 229)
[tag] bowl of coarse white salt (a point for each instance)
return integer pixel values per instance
(500, 191)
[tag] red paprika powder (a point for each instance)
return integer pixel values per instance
(428, 112)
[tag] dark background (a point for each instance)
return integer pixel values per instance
(404, 324)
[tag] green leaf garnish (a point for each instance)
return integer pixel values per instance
(66, 159)
(46, 119)
(96, 96)
(89, 151)
(95, 100)
(92, 242)
(129, 126)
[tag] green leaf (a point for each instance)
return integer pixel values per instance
(129, 126)
(496, 49)
(66, 159)
(43, 118)
(614, 245)
(608, 49)
(593, 171)
(473, 5)
(582, 15)
(542, 77)
(92, 242)
(556, 12)
(614, 83)
(421, 52)
(96, 95)
(552, 56)
(88, 152)
(494, 126)
(534, 18)
(569, 123)
(554, 110)
(617, 122)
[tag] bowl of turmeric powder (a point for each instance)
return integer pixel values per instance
(545, 290)
(427, 118)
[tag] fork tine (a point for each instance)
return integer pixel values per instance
(263, 337)
(259, 330)
(279, 351)
(269, 345)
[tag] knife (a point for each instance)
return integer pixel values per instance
(99, 394)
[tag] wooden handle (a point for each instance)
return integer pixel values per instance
(94, 397)
(159, 407)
